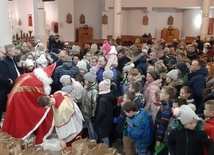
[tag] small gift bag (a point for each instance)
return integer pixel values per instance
(88, 146)
(78, 145)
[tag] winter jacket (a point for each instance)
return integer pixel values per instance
(183, 77)
(209, 128)
(182, 141)
(162, 120)
(136, 79)
(210, 83)
(75, 90)
(155, 106)
(100, 74)
(141, 65)
(140, 129)
(139, 100)
(121, 63)
(67, 68)
(197, 81)
(177, 84)
(149, 90)
(8, 70)
(89, 101)
(104, 115)
(140, 103)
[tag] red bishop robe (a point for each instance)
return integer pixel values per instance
(24, 115)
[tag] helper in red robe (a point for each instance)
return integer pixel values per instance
(24, 116)
(68, 119)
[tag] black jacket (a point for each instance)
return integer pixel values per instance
(121, 63)
(188, 142)
(104, 115)
(7, 71)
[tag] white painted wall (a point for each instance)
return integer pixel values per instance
(132, 21)
(51, 9)
(190, 26)
(92, 10)
(24, 8)
(131, 18)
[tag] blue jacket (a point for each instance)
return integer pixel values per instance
(140, 103)
(100, 74)
(140, 129)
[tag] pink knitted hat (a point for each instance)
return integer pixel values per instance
(106, 47)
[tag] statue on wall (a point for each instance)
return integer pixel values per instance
(19, 22)
(82, 19)
(105, 19)
(145, 20)
(69, 18)
(170, 20)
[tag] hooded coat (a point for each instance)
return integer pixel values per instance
(104, 115)
(183, 141)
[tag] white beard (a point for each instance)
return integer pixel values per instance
(43, 77)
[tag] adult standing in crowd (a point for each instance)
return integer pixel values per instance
(102, 64)
(197, 81)
(8, 74)
(2, 81)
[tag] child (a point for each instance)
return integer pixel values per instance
(164, 113)
(209, 115)
(155, 105)
(110, 54)
(72, 87)
(185, 93)
(108, 74)
(104, 112)
(172, 80)
(82, 66)
(124, 75)
(127, 141)
(89, 103)
(139, 98)
(175, 113)
(139, 127)
(93, 62)
(188, 136)
(133, 76)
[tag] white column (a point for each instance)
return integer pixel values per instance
(39, 21)
(117, 19)
(66, 30)
(205, 18)
(6, 28)
(105, 26)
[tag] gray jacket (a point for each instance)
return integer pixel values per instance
(89, 101)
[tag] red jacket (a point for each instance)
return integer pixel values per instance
(209, 128)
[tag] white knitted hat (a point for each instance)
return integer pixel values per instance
(82, 65)
(173, 74)
(127, 68)
(65, 79)
(187, 114)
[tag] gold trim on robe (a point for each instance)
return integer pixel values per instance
(65, 111)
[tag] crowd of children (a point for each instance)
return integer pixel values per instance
(156, 101)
